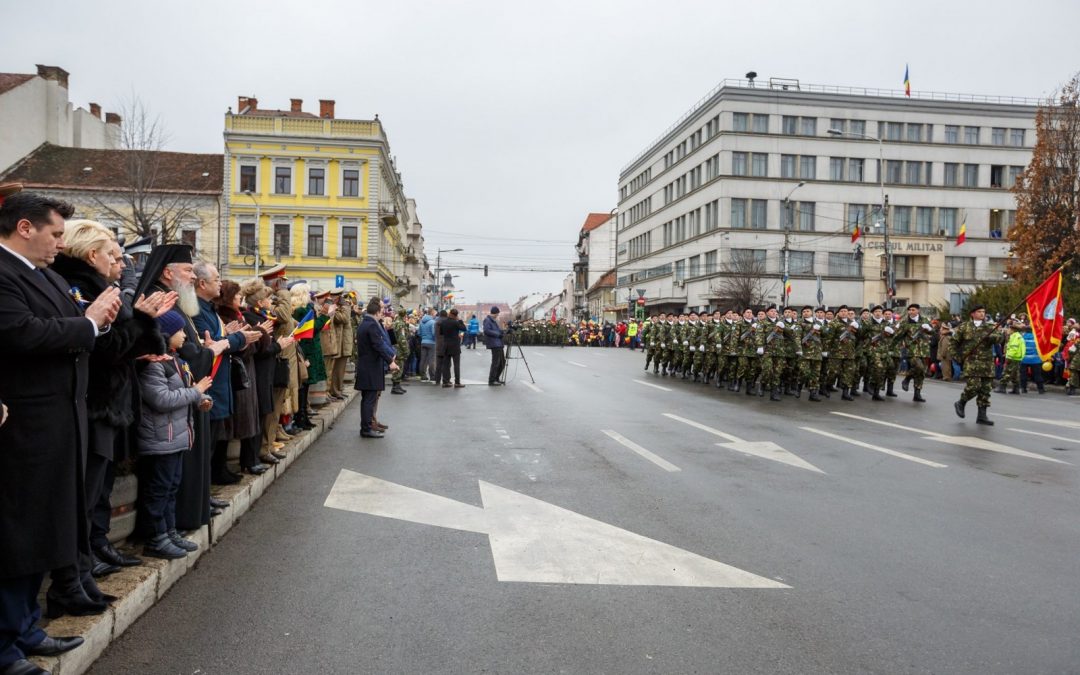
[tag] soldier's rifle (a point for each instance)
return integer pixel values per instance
(779, 330)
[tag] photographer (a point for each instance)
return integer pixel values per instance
(493, 337)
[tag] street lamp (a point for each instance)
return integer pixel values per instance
(258, 223)
(889, 281)
(789, 223)
(437, 300)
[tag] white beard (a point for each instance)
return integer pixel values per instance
(188, 302)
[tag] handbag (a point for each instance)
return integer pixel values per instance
(240, 378)
(281, 373)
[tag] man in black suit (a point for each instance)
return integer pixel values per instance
(45, 340)
(373, 356)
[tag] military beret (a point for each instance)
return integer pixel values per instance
(914, 305)
(876, 308)
(976, 308)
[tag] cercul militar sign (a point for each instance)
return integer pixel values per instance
(913, 246)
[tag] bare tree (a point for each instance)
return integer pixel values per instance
(153, 200)
(744, 283)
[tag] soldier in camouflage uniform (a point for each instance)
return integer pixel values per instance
(913, 334)
(691, 338)
(679, 345)
(862, 352)
(892, 361)
(877, 333)
(401, 335)
(974, 343)
(708, 345)
(749, 363)
(667, 344)
(771, 350)
(648, 334)
(810, 348)
(826, 340)
(728, 352)
(843, 350)
(789, 379)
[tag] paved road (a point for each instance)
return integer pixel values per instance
(898, 538)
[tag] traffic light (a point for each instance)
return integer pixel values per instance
(485, 270)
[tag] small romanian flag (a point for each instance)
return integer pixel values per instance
(857, 232)
(787, 287)
(961, 236)
(907, 82)
(305, 330)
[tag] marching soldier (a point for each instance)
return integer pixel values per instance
(974, 344)
(810, 350)
(728, 352)
(914, 335)
(771, 350)
(682, 346)
(648, 338)
(401, 336)
(862, 352)
(892, 349)
(844, 349)
(709, 338)
(789, 380)
(749, 363)
(826, 341)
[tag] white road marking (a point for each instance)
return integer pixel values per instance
(965, 441)
(532, 386)
(655, 459)
(579, 365)
(533, 541)
(876, 448)
(654, 386)
(764, 449)
(539, 353)
(1058, 423)
(1036, 433)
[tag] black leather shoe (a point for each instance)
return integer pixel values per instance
(372, 434)
(268, 459)
(102, 568)
(226, 478)
(73, 604)
(218, 503)
(51, 646)
(109, 554)
(22, 667)
(256, 469)
(214, 512)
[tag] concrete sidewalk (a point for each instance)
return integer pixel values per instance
(138, 588)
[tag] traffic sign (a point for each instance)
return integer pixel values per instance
(339, 281)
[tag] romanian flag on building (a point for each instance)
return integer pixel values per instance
(305, 330)
(857, 232)
(787, 287)
(961, 236)
(907, 82)
(1047, 314)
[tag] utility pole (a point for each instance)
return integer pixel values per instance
(890, 281)
(787, 223)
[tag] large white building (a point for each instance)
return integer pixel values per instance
(707, 203)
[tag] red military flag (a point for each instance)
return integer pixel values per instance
(1047, 314)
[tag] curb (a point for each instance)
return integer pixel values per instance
(139, 588)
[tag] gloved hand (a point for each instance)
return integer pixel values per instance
(685, 343)
(798, 353)
(692, 348)
(760, 351)
(825, 354)
(926, 327)
(663, 345)
(889, 330)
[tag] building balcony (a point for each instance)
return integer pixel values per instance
(388, 214)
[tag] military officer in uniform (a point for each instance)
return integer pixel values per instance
(810, 354)
(728, 363)
(401, 345)
(974, 344)
(771, 350)
(914, 336)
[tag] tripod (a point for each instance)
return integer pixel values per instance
(510, 344)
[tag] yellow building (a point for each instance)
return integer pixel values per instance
(318, 193)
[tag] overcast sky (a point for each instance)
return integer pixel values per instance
(511, 120)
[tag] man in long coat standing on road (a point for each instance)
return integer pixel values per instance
(373, 356)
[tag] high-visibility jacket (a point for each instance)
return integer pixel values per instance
(1014, 350)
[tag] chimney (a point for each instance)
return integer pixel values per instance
(54, 73)
(253, 102)
(295, 104)
(112, 118)
(241, 103)
(326, 109)
(95, 110)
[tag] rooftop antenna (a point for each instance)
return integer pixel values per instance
(750, 76)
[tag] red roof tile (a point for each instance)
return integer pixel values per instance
(11, 80)
(55, 167)
(595, 220)
(605, 281)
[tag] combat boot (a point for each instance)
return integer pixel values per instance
(918, 396)
(735, 386)
(798, 392)
(398, 389)
(845, 395)
(959, 408)
(720, 384)
(889, 389)
(824, 391)
(1015, 389)
(814, 397)
(1070, 390)
(865, 386)
(749, 388)
(761, 390)
(697, 378)
(1000, 389)
(686, 374)
(877, 395)
(854, 391)
(775, 394)
(982, 418)
(906, 383)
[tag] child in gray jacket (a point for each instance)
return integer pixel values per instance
(165, 432)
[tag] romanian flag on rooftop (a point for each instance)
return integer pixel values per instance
(306, 328)
(907, 82)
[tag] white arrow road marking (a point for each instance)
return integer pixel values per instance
(965, 441)
(1059, 423)
(876, 448)
(579, 365)
(537, 542)
(765, 449)
(655, 459)
(532, 386)
(1036, 433)
(654, 386)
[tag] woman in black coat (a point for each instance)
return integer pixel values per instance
(451, 329)
(258, 300)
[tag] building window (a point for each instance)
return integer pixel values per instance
(282, 180)
(808, 126)
(902, 266)
(855, 170)
(997, 136)
(808, 167)
(893, 171)
(787, 166)
(914, 173)
(348, 241)
(952, 171)
(836, 168)
(805, 216)
(971, 135)
(740, 121)
(998, 224)
(856, 216)
(957, 302)
(790, 125)
(1014, 175)
(710, 262)
(248, 178)
(996, 268)
(761, 124)
(680, 270)
(844, 265)
(971, 175)
(1016, 137)
(901, 220)
(738, 164)
(190, 237)
(893, 131)
(738, 213)
(915, 133)
(924, 220)
(748, 259)
(801, 262)
(316, 181)
(858, 127)
(960, 268)
(947, 221)
(247, 239)
(758, 214)
(693, 266)
(759, 164)
(315, 240)
(952, 133)
(838, 125)
(282, 239)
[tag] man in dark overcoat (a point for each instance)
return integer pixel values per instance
(45, 340)
(373, 356)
